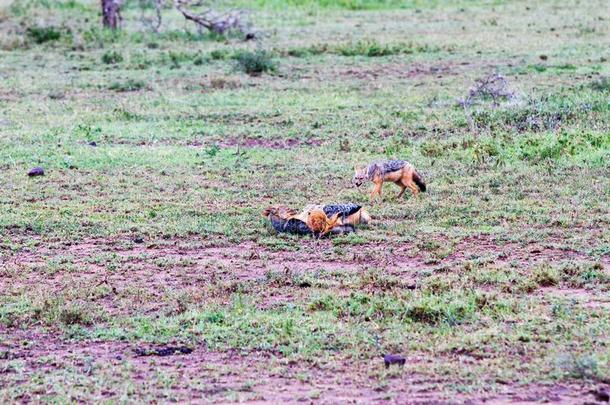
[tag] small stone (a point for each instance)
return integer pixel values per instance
(138, 240)
(37, 171)
(390, 359)
(543, 57)
(601, 395)
(92, 143)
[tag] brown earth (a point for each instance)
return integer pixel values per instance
(196, 264)
(253, 377)
(142, 273)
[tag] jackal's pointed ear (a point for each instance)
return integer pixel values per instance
(357, 169)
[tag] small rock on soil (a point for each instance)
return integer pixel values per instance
(37, 171)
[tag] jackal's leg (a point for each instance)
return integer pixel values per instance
(413, 187)
(377, 190)
(402, 191)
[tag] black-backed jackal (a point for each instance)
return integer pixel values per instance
(400, 172)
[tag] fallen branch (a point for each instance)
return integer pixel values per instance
(219, 23)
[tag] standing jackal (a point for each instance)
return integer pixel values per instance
(400, 172)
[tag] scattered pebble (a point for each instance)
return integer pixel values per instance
(92, 143)
(390, 359)
(37, 171)
(601, 395)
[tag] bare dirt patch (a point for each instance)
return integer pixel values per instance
(503, 251)
(154, 271)
(400, 71)
(31, 360)
(217, 376)
(585, 297)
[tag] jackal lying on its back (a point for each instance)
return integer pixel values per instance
(318, 220)
(400, 172)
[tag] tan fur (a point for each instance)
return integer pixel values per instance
(360, 217)
(320, 224)
(280, 211)
(315, 218)
(403, 178)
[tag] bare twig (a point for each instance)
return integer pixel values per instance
(219, 23)
(155, 22)
(494, 86)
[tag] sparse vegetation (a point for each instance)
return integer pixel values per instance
(42, 34)
(127, 85)
(112, 57)
(160, 150)
(255, 63)
(372, 48)
(601, 84)
(363, 47)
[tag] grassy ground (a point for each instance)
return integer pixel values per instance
(160, 154)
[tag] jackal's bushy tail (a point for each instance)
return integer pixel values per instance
(419, 180)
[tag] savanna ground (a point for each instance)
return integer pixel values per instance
(160, 154)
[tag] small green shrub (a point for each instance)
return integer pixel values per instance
(301, 52)
(525, 286)
(365, 47)
(372, 48)
(433, 148)
(545, 276)
(175, 59)
(139, 61)
(298, 52)
(112, 57)
(220, 54)
(326, 302)
(584, 274)
(222, 82)
(200, 60)
(212, 150)
(88, 132)
(255, 63)
(579, 366)
(73, 315)
(436, 309)
(41, 35)
(129, 85)
(601, 84)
